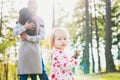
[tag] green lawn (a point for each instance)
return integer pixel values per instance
(105, 76)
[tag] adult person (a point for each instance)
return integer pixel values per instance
(30, 62)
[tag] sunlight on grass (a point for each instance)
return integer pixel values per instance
(107, 76)
(31, 79)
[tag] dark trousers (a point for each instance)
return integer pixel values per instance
(24, 77)
(42, 76)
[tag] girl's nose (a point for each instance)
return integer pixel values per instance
(63, 41)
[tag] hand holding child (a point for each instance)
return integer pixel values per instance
(24, 36)
(76, 55)
(29, 25)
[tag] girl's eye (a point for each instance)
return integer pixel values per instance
(59, 39)
(64, 38)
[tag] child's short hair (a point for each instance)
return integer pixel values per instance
(52, 37)
(24, 15)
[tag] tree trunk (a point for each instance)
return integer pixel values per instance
(1, 18)
(93, 62)
(91, 36)
(110, 67)
(97, 38)
(86, 55)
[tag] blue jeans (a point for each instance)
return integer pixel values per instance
(24, 77)
(42, 76)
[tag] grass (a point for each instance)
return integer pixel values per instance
(105, 76)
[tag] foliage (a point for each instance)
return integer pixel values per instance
(77, 25)
(116, 26)
(76, 28)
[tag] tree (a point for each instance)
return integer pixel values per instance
(8, 15)
(97, 37)
(91, 38)
(116, 27)
(1, 17)
(86, 54)
(110, 67)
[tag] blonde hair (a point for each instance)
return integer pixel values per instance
(52, 37)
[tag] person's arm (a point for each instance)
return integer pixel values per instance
(19, 29)
(38, 37)
(40, 34)
(61, 61)
(71, 63)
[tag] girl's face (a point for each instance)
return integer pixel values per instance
(60, 40)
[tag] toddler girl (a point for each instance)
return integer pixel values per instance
(61, 65)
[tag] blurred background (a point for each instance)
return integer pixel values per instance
(94, 27)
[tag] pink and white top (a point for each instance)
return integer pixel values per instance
(62, 66)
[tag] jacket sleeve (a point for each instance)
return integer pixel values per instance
(60, 60)
(71, 63)
(18, 29)
(40, 34)
(38, 37)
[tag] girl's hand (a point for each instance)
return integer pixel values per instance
(76, 55)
